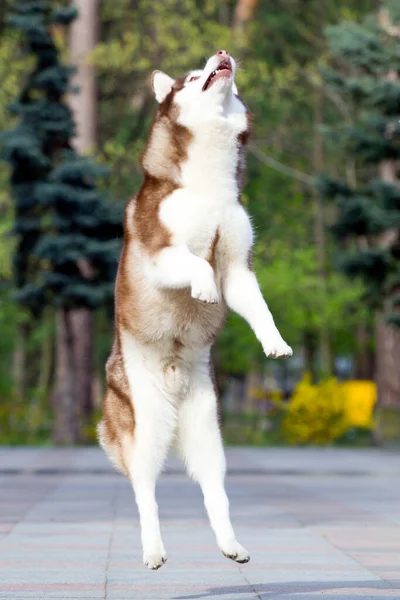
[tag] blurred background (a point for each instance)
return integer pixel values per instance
(321, 80)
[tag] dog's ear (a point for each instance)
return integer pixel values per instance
(161, 84)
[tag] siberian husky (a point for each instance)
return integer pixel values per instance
(186, 260)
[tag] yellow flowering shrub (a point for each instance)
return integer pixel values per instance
(316, 413)
(361, 397)
(319, 414)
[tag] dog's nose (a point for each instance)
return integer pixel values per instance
(222, 54)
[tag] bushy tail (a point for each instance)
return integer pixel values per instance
(114, 450)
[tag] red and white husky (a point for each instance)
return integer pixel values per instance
(186, 259)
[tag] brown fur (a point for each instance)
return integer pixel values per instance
(135, 313)
(211, 255)
(150, 231)
(243, 139)
(164, 153)
(118, 416)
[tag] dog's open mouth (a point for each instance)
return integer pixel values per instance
(224, 69)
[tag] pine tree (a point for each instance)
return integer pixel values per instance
(365, 72)
(67, 236)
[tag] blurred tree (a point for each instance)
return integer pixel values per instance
(365, 73)
(66, 244)
(244, 13)
(82, 40)
(285, 46)
(13, 355)
(281, 43)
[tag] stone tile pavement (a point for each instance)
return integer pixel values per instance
(319, 523)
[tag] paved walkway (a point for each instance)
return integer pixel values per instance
(318, 523)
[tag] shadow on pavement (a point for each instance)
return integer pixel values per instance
(368, 590)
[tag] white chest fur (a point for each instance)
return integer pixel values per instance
(193, 218)
(208, 178)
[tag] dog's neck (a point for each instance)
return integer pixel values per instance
(212, 159)
(200, 150)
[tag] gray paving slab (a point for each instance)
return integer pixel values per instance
(319, 523)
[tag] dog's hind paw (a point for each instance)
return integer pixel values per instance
(154, 561)
(155, 558)
(236, 552)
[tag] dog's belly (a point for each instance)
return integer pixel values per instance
(173, 332)
(196, 322)
(174, 317)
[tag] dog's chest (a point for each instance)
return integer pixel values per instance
(194, 217)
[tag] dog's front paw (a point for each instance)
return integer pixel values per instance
(276, 347)
(235, 551)
(204, 287)
(155, 560)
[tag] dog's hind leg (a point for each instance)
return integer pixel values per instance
(155, 423)
(200, 444)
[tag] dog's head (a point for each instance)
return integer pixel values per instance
(206, 92)
(201, 105)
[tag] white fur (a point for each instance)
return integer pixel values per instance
(178, 400)
(241, 290)
(161, 84)
(155, 425)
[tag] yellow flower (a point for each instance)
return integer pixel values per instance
(361, 398)
(319, 414)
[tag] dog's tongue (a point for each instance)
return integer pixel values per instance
(223, 70)
(221, 73)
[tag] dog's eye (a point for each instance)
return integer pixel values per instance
(193, 78)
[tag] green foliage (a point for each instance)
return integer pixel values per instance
(28, 419)
(300, 300)
(64, 237)
(253, 429)
(277, 75)
(315, 302)
(368, 220)
(138, 38)
(316, 414)
(62, 225)
(83, 243)
(9, 78)
(65, 250)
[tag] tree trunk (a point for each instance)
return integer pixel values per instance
(46, 360)
(319, 217)
(309, 346)
(73, 398)
(319, 235)
(388, 336)
(66, 425)
(244, 12)
(364, 359)
(82, 338)
(20, 360)
(387, 363)
(82, 42)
